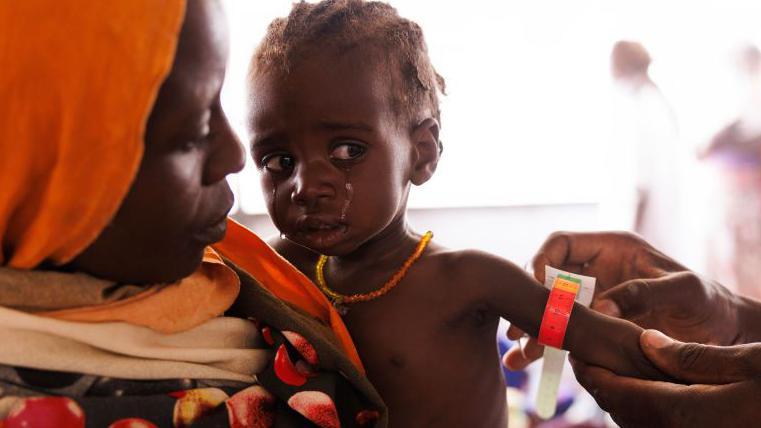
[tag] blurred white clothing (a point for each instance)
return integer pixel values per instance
(643, 158)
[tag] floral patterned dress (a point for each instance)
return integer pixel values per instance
(308, 382)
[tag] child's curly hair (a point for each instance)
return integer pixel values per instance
(342, 25)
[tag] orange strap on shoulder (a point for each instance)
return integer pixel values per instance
(282, 279)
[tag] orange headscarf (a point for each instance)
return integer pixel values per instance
(75, 90)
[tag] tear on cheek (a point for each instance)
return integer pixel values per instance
(348, 195)
(273, 204)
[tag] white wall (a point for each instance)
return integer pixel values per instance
(528, 86)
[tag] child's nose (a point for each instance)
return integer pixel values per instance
(312, 183)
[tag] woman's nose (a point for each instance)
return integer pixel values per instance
(227, 155)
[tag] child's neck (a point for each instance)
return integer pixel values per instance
(383, 246)
(378, 258)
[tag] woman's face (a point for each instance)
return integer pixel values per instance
(179, 200)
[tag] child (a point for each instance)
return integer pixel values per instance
(344, 119)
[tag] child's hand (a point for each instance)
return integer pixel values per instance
(518, 357)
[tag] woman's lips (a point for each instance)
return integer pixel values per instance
(215, 229)
(213, 233)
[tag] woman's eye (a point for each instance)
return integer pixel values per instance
(194, 143)
(278, 163)
(347, 151)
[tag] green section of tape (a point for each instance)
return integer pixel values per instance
(569, 278)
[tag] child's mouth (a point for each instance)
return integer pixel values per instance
(317, 223)
(321, 232)
(322, 227)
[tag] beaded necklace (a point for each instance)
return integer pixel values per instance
(340, 301)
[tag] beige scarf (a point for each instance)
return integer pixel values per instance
(76, 323)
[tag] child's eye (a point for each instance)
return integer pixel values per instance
(347, 151)
(278, 162)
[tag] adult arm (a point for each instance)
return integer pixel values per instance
(638, 283)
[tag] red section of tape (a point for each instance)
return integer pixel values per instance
(556, 316)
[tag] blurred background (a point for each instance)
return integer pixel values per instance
(583, 115)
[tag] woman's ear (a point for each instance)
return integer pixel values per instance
(426, 150)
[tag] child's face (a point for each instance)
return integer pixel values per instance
(335, 166)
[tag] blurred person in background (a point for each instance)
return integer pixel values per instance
(641, 164)
(735, 153)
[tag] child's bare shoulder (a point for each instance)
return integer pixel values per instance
(476, 284)
(472, 265)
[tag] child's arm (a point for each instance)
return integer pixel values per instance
(591, 337)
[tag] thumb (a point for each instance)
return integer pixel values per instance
(626, 300)
(638, 297)
(696, 363)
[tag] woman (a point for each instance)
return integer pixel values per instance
(113, 309)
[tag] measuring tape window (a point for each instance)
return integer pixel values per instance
(557, 312)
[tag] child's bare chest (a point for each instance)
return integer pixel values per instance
(432, 358)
